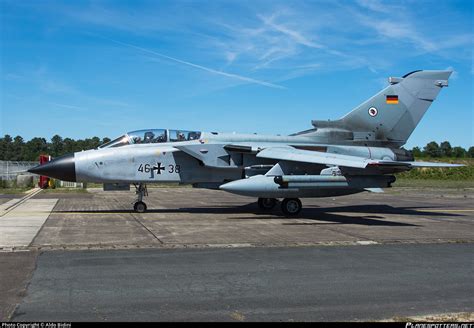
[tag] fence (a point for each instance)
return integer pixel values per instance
(10, 169)
(68, 184)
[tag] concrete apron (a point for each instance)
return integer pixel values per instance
(20, 226)
(12, 204)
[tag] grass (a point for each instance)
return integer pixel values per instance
(13, 190)
(452, 174)
(433, 183)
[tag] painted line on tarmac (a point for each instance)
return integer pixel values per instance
(31, 193)
(19, 227)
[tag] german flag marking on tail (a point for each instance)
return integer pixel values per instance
(392, 100)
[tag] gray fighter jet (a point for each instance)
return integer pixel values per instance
(359, 152)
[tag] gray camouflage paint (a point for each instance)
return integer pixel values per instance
(373, 130)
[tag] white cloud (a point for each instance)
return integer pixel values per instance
(293, 34)
(68, 106)
(207, 69)
(52, 86)
(376, 5)
(401, 27)
(277, 37)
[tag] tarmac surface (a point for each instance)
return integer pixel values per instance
(209, 255)
(277, 284)
(186, 217)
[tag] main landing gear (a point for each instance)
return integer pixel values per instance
(266, 203)
(289, 206)
(141, 191)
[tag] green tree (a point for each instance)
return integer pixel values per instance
(446, 149)
(470, 152)
(95, 142)
(432, 149)
(34, 148)
(56, 146)
(417, 153)
(80, 145)
(69, 145)
(6, 147)
(459, 152)
(18, 151)
(105, 140)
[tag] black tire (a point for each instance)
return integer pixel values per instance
(266, 203)
(291, 206)
(140, 207)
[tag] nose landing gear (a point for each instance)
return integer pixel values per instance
(141, 191)
(139, 207)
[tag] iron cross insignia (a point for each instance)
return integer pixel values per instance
(158, 168)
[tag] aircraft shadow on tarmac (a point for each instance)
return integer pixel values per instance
(326, 214)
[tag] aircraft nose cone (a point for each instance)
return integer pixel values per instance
(62, 168)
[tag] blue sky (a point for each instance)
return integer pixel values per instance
(100, 68)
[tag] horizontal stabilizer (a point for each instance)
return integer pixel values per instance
(414, 164)
(431, 164)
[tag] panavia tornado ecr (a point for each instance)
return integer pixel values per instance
(358, 152)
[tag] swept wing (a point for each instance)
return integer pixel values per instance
(316, 157)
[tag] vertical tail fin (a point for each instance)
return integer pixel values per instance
(393, 113)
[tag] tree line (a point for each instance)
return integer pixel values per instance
(16, 149)
(432, 149)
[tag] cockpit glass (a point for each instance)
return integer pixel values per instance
(152, 136)
(181, 135)
(148, 136)
(120, 141)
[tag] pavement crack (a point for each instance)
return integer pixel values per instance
(146, 228)
(23, 291)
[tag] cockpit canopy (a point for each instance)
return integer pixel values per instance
(148, 136)
(152, 136)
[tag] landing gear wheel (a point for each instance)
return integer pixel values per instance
(291, 206)
(139, 207)
(266, 203)
(141, 192)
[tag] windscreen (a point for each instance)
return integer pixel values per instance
(120, 141)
